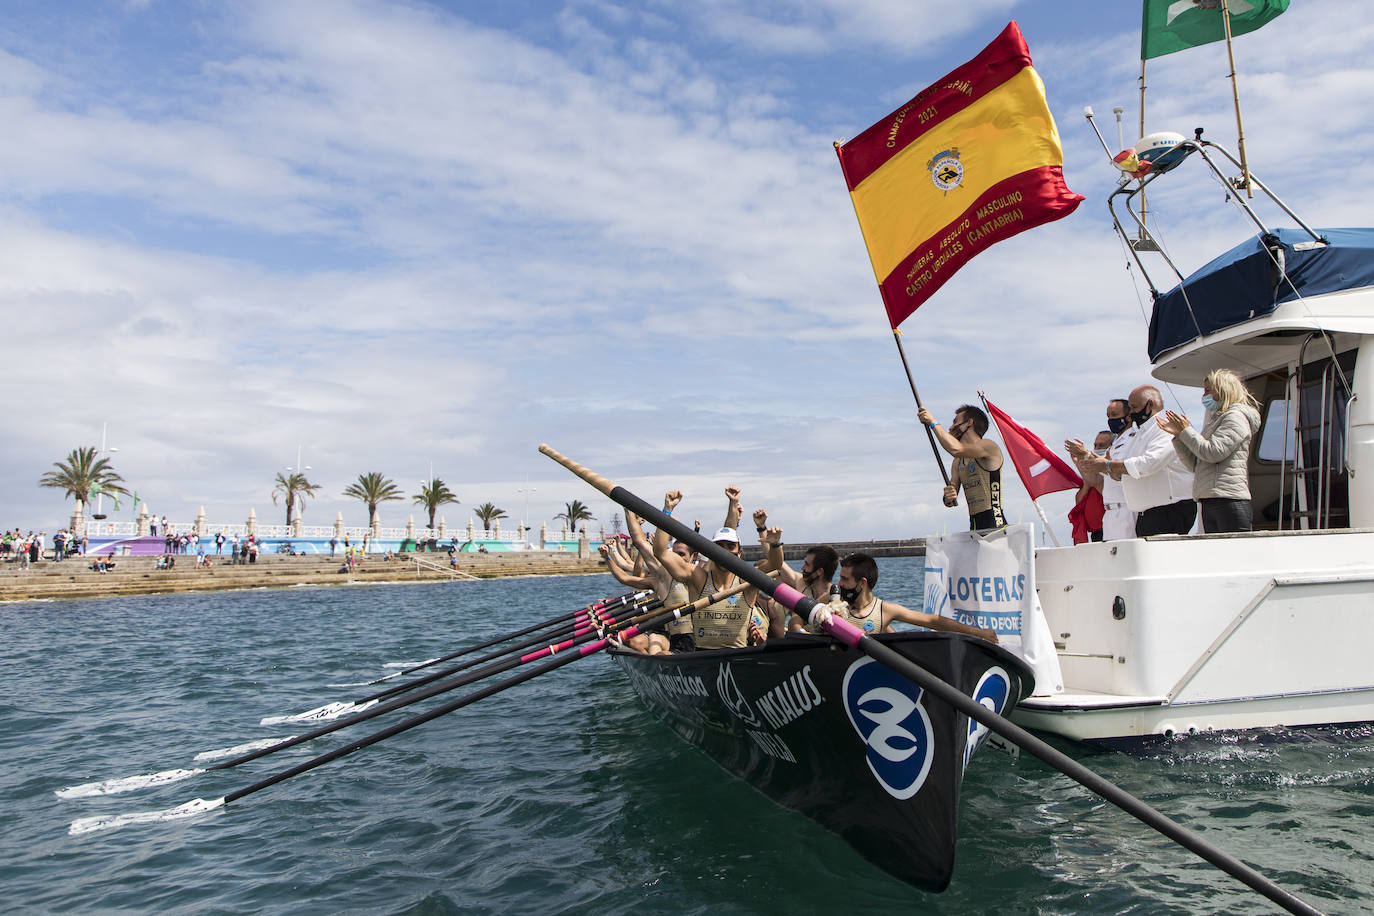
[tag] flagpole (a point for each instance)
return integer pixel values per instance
(896, 332)
(1044, 521)
(1235, 96)
(1038, 511)
(1140, 233)
(939, 462)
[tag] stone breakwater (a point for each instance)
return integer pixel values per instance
(74, 578)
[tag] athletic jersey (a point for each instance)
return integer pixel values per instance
(871, 619)
(982, 488)
(723, 624)
(677, 596)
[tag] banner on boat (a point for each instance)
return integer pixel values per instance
(988, 580)
(973, 159)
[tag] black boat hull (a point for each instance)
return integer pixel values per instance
(826, 731)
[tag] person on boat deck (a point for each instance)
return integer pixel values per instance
(977, 465)
(1154, 481)
(858, 605)
(1088, 507)
(724, 624)
(1219, 455)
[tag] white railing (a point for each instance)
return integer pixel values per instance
(104, 528)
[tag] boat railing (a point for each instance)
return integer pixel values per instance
(1130, 188)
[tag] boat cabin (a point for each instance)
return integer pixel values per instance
(1176, 634)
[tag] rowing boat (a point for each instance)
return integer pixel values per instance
(829, 732)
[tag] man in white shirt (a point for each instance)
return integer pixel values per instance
(1153, 480)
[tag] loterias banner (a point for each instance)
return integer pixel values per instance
(973, 159)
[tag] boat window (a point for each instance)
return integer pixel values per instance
(1273, 444)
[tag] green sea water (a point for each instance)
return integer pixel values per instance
(562, 795)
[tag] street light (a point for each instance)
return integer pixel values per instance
(298, 466)
(100, 496)
(525, 514)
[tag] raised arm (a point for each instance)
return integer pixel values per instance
(680, 569)
(733, 512)
(786, 574)
(623, 576)
(934, 621)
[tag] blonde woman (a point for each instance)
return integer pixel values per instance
(1219, 454)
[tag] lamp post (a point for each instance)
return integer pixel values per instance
(100, 496)
(298, 469)
(525, 513)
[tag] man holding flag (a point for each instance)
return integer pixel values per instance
(977, 465)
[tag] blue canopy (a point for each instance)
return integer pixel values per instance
(1244, 283)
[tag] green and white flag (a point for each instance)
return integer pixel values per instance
(1175, 25)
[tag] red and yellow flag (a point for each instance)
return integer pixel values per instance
(971, 160)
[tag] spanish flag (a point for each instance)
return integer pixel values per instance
(971, 160)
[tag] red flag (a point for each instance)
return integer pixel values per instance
(1041, 470)
(971, 160)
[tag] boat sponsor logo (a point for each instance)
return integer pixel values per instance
(946, 171)
(681, 685)
(771, 745)
(993, 689)
(791, 699)
(733, 697)
(885, 710)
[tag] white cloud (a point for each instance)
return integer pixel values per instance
(391, 235)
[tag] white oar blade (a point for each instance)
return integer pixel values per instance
(125, 784)
(193, 808)
(320, 713)
(240, 749)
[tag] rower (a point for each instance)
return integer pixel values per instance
(723, 624)
(814, 581)
(858, 605)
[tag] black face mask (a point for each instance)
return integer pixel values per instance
(1140, 416)
(1117, 425)
(850, 595)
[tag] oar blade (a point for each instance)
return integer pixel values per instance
(193, 808)
(125, 784)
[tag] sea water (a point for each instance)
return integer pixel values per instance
(561, 794)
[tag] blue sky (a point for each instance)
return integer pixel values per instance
(403, 234)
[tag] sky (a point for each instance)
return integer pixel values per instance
(423, 238)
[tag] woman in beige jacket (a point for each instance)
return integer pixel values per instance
(1219, 454)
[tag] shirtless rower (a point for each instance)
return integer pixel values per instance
(723, 624)
(858, 605)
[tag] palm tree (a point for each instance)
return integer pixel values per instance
(576, 512)
(293, 488)
(374, 489)
(488, 514)
(434, 494)
(82, 474)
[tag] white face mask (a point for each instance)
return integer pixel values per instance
(1099, 451)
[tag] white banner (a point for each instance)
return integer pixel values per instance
(988, 580)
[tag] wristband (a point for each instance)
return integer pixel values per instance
(668, 512)
(760, 529)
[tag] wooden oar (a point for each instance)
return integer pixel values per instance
(202, 806)
(852, 636)
(342, 708)
(617, 601)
